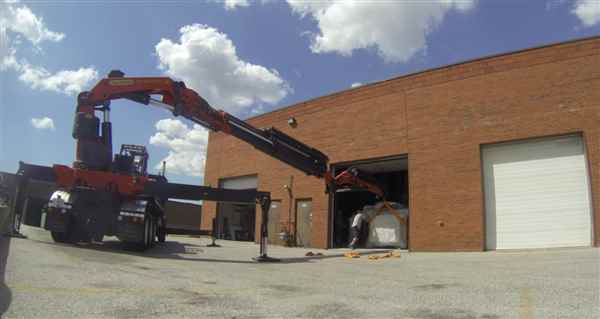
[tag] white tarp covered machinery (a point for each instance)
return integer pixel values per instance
(387, 222)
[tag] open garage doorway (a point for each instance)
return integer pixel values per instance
(237, 221)
(390, 173)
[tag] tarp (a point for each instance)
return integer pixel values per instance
(387, 225)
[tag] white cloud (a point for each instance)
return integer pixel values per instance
(355, 84)
(207, 61)
(68, 82)
(233, 4)
(187, 146)
(19, 21)
(257, 110)
(44, 123)
(396, 29)
(588, 11)
(7, 53)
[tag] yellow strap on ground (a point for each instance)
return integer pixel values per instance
(390, 254)
(352, 255)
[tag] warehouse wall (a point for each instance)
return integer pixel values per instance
(183, 215)
(440, 118)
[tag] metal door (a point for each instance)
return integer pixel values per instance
(273, 226)
(303, 222)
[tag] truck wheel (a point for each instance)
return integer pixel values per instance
(161, 234)
(60, 237)
(152, 232)
(147, 232)
(161, 229)
(145, 244)
(68, 237)
(84, 237)
(98, 238)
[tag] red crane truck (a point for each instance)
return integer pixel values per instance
(104, 195)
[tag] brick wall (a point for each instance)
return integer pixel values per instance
(440, 118)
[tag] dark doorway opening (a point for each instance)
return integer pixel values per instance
(237, 221)
(390, 173)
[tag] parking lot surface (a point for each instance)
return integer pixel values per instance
(183, 278)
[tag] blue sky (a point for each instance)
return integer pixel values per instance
(245, 57)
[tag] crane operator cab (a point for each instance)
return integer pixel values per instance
(131, 160)
(94, 146)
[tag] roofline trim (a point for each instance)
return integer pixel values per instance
(447, 66)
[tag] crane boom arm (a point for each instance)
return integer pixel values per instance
(180, 100)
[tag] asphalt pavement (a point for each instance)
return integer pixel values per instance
(183, 278)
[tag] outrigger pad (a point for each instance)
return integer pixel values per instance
(266, 259)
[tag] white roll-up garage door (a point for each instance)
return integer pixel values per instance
(537, 194)
(243, 182)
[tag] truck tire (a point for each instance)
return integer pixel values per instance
(147, 231)
(98, 238)
(161, 231)
(67, 237)
(152, 232)
(161, 235)
(145, 244)
(60, 237)
(83, 237)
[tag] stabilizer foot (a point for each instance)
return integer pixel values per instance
(266, 259)
(213, 236)
(15, 235)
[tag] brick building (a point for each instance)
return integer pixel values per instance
(183, 215)
(499, 152)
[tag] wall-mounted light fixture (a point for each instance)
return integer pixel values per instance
(292, 122)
